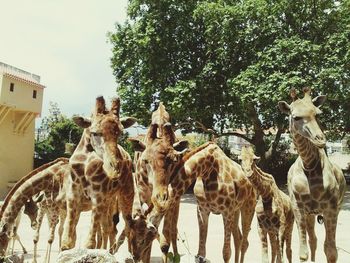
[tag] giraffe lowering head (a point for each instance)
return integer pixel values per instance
(248, 159)
(31, 209)
(160, 153)
(142, 233)
(103, 131)
(303, 117)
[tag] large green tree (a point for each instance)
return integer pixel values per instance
(227, 63)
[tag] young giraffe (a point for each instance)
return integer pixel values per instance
(101, 170)
(273, 210)
(30, 185)
(216, 176)
(316, 186)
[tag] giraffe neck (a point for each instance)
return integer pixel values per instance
(44, 180)
(308, 152)
(262, 182)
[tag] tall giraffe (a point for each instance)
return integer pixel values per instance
(100, 170)
(164, 172)
(316, 186)
(273, 210)
(152, 189)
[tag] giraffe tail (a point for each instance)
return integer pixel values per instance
(320, 219)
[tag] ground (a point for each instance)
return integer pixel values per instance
(188, 236)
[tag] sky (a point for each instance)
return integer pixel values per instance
(65, 43)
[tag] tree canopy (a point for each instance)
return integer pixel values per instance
(227, 63)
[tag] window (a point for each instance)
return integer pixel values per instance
(12, 87)
(34, 94)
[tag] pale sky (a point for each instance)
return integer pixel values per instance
(65, 43)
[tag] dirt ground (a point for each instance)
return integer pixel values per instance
(188, 236)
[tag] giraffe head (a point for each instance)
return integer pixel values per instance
(102, 132)
(31, 209)
(160, 154)
(248, 159)
(141, 235)
(303, 117)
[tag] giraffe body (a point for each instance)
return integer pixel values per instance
(273, 210)
(316, 186)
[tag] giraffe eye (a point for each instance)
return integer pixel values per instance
(296, 118)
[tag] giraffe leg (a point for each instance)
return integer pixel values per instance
(247, 213)
(165, 237)
(264, 246)
(237, 236)
(69, 230)
(288, 238)
(281, 240)
(274, 245)
(94, 225)
(53, 221)
(21, 244)
(330, 223)
(203, 218)
(106, 223)
(39, 220)
(301, 224)
(99, 238)
(226, 251)
(174, 227)
(310, 228)
(63, 216)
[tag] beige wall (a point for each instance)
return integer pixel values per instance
(22, 96)
(16, 152)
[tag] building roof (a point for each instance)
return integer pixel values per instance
(20, 75)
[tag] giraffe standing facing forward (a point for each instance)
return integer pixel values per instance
(100, 170)
(316, 186)
(273, 210)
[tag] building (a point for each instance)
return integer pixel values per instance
(21, 96)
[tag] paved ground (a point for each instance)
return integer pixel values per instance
(188, 232)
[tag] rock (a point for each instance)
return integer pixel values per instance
(13, 259)
(86, 256)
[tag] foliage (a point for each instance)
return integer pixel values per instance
(55, 131)
(126, 144)
(227, 63)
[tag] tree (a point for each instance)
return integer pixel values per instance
(226, 64)
(56, 130)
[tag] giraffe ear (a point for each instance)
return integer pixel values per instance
(181, 145)
(284, 107)
(137, 145)
(127, 121)
(82, 122)
(319, 100)
(38, 198)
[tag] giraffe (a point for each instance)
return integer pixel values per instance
(316, 186)
(273, 210)
(100, 169)
(165, 171)
(160, 124)
(30, 209)
(30, 185)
